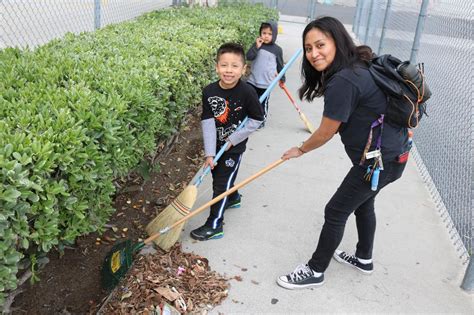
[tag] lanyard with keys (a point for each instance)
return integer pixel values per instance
(373, 171)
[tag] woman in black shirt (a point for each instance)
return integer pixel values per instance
(354, 106)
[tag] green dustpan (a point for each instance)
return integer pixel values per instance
(117, 262)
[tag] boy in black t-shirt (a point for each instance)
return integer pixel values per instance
(225, 105)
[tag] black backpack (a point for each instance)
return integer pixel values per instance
(405, 87)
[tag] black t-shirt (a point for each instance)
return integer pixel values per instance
(229, 107)
(353, 98)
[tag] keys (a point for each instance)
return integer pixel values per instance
(373, 171)
(380, 162)
(368, 173)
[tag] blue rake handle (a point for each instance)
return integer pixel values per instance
(261, 99)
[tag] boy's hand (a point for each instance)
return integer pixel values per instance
(281, 84)
(209, 162)
(259, 42)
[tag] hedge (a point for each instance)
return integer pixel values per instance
(84, 110)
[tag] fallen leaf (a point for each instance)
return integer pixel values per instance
(109, 239)
(153, 280)
(238, 278)
(126, 296)
(167, 293)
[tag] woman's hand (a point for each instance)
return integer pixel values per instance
(292, 153)
(209, 162)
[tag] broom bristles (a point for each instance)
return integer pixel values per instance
(180, 207)
(308, 125)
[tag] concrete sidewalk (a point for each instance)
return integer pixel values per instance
(417, 269)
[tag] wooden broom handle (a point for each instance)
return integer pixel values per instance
(215, 200)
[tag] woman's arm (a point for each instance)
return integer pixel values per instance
(323, 134)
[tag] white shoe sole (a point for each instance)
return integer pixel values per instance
(290, 286)
(342, 261)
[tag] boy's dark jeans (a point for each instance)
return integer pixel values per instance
(223, 178)
(354, 195)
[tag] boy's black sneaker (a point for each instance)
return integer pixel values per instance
(232, 204)
(302, 277)
(205, 233)
(352, 260)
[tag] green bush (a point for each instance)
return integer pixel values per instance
(81, 111)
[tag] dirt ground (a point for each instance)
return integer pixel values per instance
(71, 284)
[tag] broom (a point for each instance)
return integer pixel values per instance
(184, 202)
(306, 122)
(120, 258)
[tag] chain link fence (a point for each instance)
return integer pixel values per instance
(29, 23)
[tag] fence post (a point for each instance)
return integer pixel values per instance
(369, 20)
(276, 4)
(97, 14)
(356, 16)
(419, 30)
(468, 281)
(359, 18)
(312, 8)
(388, 8)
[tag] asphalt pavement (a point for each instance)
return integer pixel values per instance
(417, 269)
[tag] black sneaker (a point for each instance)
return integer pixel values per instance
(302, 277)
(205, 233)
(232, 204)
(352, 260)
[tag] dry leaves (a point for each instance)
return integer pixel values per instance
(183, 280)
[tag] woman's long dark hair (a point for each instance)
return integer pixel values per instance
(347, 54)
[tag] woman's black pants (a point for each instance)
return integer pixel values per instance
(354, 195)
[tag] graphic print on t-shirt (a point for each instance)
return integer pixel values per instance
(220, 108)
(224, 133)
(223, 113)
